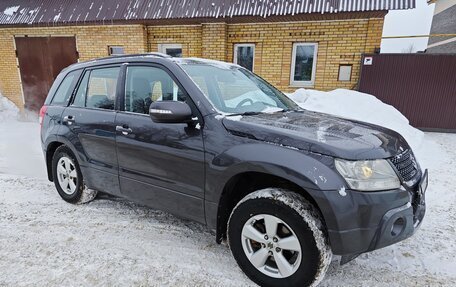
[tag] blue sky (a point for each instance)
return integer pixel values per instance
(407, 22)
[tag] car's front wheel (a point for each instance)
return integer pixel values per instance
(68, 178)
(277, 238)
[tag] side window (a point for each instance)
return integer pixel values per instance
(97, 89)
(145, 85)
(63, 93)
(80, 96)
(101, 88)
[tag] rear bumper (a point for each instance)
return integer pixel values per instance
(379, 220)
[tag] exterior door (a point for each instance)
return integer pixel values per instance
(40, 61)
(160, 165)
(88, 122)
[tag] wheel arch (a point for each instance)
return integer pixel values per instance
(50, 150)
(51, 147)
(244, 183)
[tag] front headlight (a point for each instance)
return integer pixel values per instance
(368, 175)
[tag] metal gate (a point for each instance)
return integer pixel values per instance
(40, 61)
(421, 86)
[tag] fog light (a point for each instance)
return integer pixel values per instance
(398, 226)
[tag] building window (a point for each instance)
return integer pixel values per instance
(345, 73)
(303, 64)
(244, 55)
(116, 50)
(173, 50)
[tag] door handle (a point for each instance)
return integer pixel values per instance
(68, 119)
(124, 129)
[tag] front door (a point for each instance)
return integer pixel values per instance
(160, 165)
(40, 61)
(89, 123)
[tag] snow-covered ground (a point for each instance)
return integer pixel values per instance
(45, 241)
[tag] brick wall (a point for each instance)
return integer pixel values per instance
(339, 42)
(214, 41)
(188, 36)
(91, 41)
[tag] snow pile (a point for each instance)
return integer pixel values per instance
(20, 151)
(361, 107)
(8, 110)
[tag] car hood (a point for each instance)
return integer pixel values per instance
(319, 133)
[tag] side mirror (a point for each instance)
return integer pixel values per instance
(172, 112)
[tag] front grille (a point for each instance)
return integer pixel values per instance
(405, 164)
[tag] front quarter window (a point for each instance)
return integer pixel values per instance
(235, 90)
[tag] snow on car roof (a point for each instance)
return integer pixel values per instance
(201, 61)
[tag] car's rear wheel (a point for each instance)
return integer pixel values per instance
(68, 178)
(278, 239)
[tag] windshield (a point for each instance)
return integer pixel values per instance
(235, 90)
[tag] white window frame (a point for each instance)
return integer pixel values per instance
(293, 62)
(236, 53)
(162, 47)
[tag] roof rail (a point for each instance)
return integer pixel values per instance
(154, 54)
(158, 54)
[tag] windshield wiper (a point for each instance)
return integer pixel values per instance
(250, 113)
(245, 114)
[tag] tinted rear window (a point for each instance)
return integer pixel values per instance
(63, 93)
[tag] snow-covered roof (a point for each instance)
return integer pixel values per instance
(49, 12)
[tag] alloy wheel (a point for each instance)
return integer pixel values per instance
(67, 175)
(271, 246)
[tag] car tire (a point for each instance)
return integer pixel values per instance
(297, 255)
(68, 178)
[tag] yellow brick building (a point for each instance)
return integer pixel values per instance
(279, 41)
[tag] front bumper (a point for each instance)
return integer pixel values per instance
(387, 218)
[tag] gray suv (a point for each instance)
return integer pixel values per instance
(214, 143)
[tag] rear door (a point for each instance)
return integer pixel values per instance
(57, 101)
(88, 123)
(161, 165)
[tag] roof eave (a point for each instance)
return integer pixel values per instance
(229, 20)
